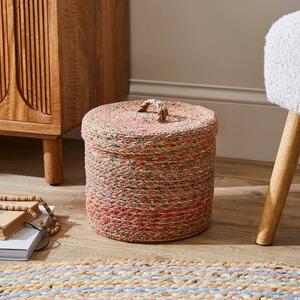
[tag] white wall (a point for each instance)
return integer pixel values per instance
(210, 52)
(215, 42)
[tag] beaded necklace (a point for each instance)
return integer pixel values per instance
(51, 229)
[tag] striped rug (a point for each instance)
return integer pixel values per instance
(149, 279)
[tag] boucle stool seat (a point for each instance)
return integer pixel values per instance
(282, 62)
(149, 175)
(282, 81)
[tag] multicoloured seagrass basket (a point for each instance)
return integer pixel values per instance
(149, 169)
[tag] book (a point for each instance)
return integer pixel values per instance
(21, 245)
(12, 221)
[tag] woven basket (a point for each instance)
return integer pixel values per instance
(149, 174)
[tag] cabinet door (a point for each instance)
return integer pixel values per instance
(28, 48)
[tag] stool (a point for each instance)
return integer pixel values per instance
(282, 80)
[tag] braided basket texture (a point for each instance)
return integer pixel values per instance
(149, 180)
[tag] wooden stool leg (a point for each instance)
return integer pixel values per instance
(281, 179)
(53, 162)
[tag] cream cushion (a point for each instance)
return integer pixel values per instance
(282, 62)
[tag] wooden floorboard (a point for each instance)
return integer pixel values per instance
(239, 193)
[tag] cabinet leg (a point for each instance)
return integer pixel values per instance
(281, 179)
(53, 161)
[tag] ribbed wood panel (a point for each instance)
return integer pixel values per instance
(32, 51)
(62, 58)
(4, 51)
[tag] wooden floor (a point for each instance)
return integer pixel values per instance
(239, 193)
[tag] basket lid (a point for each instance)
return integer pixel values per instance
(132, 127)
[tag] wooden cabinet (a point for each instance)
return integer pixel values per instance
(59, 59)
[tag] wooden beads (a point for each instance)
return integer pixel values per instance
(50, 229)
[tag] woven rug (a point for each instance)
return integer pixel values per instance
(149, 279)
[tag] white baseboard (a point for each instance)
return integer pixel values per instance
(198, 92)
(249, 126)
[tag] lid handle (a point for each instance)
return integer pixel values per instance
(161, 106)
